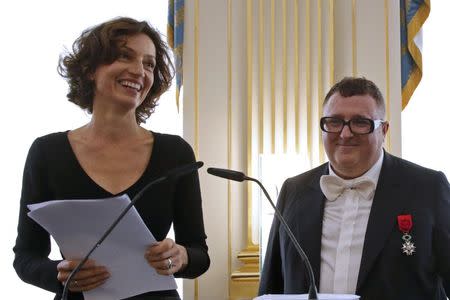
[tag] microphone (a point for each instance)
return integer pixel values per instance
(170, 175)
(228, 174)
(239, 176)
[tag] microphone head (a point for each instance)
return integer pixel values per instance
(227, 174)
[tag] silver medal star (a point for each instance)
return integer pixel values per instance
(408, 248)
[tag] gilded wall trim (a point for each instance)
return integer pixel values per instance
(319, 74)
(261, 75)
(388, 77)
(284, 75)
(229, 137)
(249, 116)
(308, 79)
(296, 79)
(196, 108)
(272, 73)
(354, 48)
(331, 79)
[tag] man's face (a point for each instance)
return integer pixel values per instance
(351, 155)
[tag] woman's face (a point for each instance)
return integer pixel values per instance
(126, 82)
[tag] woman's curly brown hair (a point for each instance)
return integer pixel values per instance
(100, 45)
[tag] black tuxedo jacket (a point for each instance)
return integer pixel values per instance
(386, 273)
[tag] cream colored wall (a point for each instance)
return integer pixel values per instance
(211, 115)
(218, 86)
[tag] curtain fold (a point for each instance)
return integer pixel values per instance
(413, 14)
(175, 38)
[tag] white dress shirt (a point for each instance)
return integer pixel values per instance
(343, 231)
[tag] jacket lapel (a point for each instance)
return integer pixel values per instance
(387, 204)
(310, 227)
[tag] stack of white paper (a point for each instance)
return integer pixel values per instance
(76, 225)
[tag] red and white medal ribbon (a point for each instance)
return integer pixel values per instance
(405, 225)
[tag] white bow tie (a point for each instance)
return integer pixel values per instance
(333, 186)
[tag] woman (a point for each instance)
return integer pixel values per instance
(117, 71)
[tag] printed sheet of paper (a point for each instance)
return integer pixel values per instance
(76, 225)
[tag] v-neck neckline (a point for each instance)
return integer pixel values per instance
(83, 171)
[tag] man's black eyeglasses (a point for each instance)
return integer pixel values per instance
(357, 125)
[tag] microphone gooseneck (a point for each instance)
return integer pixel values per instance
(184, 170)
(239, 176)
(312, 284)
(171, 175)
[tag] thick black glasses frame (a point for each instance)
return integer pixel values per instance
(374, 124)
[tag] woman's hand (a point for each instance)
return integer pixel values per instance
(87, 278)
(167, 257)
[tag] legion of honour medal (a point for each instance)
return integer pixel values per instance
(405, 225)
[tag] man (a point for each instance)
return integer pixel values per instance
(372, 224)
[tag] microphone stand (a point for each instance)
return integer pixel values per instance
(312, 293)
(171, 174)
(239, 176)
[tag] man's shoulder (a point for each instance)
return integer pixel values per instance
(408, 168)
(310, 174)
(405, 171)
(303, 185)
(307, 179)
